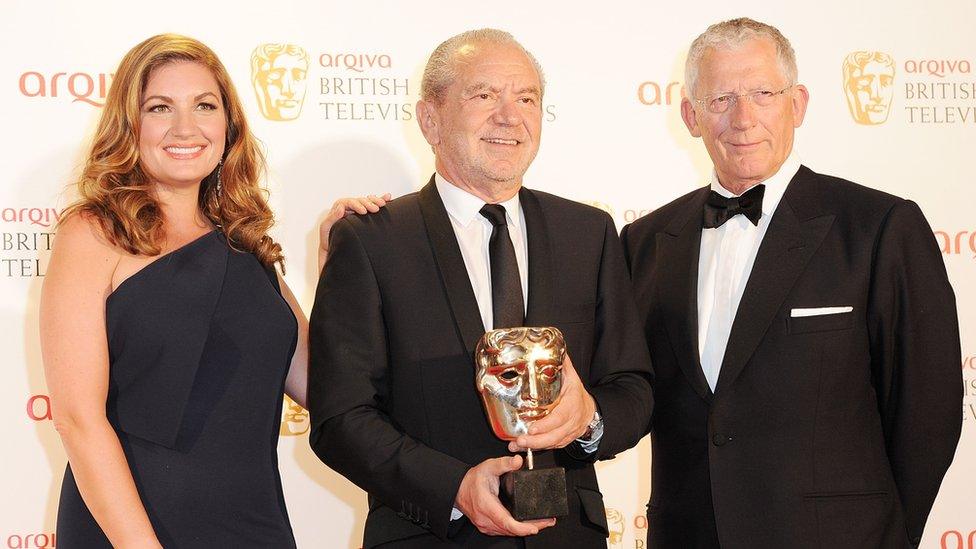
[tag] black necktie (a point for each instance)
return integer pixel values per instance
(719, 209)
(507, 306)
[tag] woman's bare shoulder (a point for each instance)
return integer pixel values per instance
(81, 239)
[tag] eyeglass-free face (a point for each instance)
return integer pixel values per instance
(183, 125)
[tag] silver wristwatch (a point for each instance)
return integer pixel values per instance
(592, 425)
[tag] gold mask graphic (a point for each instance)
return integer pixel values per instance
(869, 83)
(519, 376)
(294, 419)
(279, 73)
(615, 523)
(600, 205)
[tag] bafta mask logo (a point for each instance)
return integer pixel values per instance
(294, 419)
(278, 74)
(519, 376)
(869, 83)
(615, 522)
(600, 206)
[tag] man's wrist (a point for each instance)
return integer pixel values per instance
(594, 428)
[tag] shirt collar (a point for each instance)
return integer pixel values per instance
(465, 207)
(775, 185)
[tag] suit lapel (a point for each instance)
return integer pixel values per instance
(450, 265)
(541, 261)
(678, 291)
(798, 227)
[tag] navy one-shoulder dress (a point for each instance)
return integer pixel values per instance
(199, 341)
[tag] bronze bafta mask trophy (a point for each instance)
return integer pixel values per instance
(519, 376)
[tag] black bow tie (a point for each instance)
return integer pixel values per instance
(719, 209)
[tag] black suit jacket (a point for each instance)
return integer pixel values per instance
(391, 383)
(823, 431)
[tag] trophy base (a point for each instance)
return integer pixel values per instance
(530, 494)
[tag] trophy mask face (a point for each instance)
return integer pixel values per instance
(519, 376)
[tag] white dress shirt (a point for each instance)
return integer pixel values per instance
(473, 232)
(724, 264)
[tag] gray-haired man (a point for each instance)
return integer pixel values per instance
(411, 289)
(802, 328)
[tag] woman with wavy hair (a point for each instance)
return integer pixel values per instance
(167, 334)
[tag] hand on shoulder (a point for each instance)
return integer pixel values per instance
(341, 208)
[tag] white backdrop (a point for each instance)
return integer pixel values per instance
(613, 137)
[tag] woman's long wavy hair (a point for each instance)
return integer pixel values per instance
(116, 190)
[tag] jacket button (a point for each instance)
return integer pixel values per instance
(721, 440)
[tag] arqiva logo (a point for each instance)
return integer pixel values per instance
(954, 539)
(39, 408)
(655, 93)
(79, 86)
(32, 541)
(958, 243)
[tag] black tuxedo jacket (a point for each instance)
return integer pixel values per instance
(392, 392)
(826, 431)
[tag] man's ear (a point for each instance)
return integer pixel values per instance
(429, 120)
(800, 98)
(688, 115)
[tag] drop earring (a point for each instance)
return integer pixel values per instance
(220, 168)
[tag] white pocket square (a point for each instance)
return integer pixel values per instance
(818, 311)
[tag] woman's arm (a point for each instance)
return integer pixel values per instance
(297, 380)
(75, 351)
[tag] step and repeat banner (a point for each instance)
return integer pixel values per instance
(893, 106)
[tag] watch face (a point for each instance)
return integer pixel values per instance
(592, 426)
